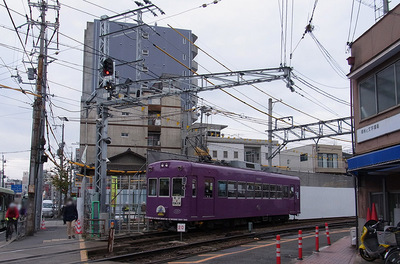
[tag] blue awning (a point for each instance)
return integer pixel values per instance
(374, 159)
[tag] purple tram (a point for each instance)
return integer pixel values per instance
(200, 193)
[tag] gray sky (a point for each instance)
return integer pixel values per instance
(241, 34)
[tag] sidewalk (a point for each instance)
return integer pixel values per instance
(340, 252)
(45, 246)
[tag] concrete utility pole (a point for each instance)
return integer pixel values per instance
(39, 116)
(385, 6)
(270, 132)
(37, 142)
(61, 156)
(2, 170)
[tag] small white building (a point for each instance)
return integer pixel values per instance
(314, 158)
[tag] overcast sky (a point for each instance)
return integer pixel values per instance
(240, 34)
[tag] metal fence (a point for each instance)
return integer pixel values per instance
(126, 206)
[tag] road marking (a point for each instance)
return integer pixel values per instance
(84, 255)
(54, 240)
(249, 249)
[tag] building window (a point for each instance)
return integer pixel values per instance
(380, 91)
(213, 134)
(327, 160)
(154, 118)
(303, 157)
(124, 134)
(125, 113)
(225, 154)
(288, 162)
(184, 41)
(385, 88)
(153, 139)
(215, 154)
(184, 57)
(235, 155)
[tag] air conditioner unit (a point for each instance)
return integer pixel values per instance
(145, 52)
(145, 69)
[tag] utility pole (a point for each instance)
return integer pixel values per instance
(38, 141)
(61, 156)
(270, 132)
(2, 170)
(385, 7)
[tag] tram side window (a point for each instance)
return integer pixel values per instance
(152, 187)
(250, 190)
(279, 191)
(265, 190)
(208, 188)
(194, 189)
(232, 189)
(258, 190)
(164, 187)
(222, 189)
(177, 187)
(1, 203)
(241, 189)
(291, 193)
(285, 191)
(272, 191)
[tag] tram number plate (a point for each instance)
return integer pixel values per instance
(176, 200)
(181, 227)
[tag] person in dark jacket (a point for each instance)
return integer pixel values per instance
(70, 216)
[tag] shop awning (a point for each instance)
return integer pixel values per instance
(376, 160)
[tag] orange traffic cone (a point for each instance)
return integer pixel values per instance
(368, 214)
(374, 215)
(43, 225)
(78, 227)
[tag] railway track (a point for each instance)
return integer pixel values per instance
(160, 247)
(169, 249)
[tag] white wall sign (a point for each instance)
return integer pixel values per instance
(181, 227)
(379, 128)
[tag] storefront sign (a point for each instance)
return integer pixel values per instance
(379, 128)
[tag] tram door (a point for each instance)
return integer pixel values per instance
(293, 198)
(208, 198)
(193, 203)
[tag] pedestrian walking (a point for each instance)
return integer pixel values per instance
(70, 216)
(12, 216)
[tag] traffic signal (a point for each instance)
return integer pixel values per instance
(109, 86)
(108, 67)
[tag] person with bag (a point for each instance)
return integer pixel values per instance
(70, 216)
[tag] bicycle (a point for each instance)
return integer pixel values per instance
(11, 224)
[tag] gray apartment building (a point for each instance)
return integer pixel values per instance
(158, 123)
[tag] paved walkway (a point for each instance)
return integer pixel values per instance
(46, 246)
(340, 252)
